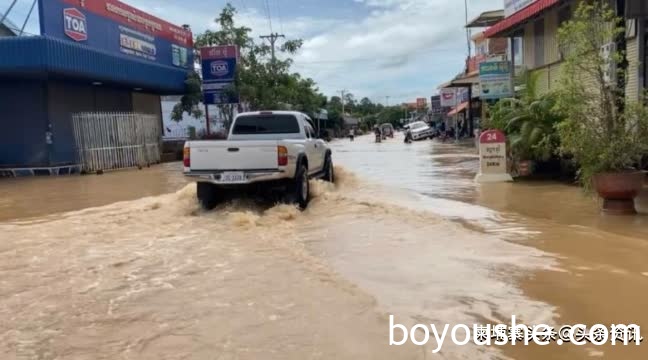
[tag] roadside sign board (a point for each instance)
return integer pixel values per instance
(219, 64)
(492, 157)
(117, 28)
(448, 97)
(495, 79)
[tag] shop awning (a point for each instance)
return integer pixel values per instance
(467, 80)
(461, 107)
(502, 27)
(486, 19)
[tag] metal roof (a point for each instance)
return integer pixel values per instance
(487, 18)
(520, 17)
(41, 56)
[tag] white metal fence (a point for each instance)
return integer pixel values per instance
(116, 140)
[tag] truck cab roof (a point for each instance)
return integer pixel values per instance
(274, 112)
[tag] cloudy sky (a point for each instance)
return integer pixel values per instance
(375, 48)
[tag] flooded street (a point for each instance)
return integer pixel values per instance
(126, 266)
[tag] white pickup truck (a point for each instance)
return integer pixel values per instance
(268, 151)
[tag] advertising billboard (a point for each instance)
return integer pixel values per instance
(435, 105)
(495, 79)
(112, 26)
(448, 97)
(219, 72)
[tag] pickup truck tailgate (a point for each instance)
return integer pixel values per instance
(233, 155)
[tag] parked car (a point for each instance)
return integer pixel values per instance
(421, 130)
(272, 152)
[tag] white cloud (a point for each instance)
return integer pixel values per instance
(400, 48)
(403, 49)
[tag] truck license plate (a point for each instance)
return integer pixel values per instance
(233, 177)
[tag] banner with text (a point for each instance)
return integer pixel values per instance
(495, 80)
(115, 27)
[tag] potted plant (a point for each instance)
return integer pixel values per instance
(605, 135)
(530, 123)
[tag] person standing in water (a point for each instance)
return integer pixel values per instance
(351, 134)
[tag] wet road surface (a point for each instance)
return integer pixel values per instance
(405, 231)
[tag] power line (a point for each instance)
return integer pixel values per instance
(244, 5)
(9, 10)
(31, 9)
(277, 4)
(269, 15)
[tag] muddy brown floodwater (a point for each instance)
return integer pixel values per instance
(126, 266)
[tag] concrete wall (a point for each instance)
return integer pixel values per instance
(634, 68)
(551, 67)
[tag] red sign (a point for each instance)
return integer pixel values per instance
(134, 18)
(492, 137)
(75, 24)
(219, 52)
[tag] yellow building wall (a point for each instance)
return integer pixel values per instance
(634, 67)
(552, 53)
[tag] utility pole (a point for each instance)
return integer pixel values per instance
(342, 92)
(467, 29)
(273, 39)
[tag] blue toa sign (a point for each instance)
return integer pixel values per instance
(112, 26)
(219, 72)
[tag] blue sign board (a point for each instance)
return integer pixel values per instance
(495, 79)
(219, 72)
(117, 28)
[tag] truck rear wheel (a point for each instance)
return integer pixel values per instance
(329, 170)
(299, 190)
(208, 195)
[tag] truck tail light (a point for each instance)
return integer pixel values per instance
(282, 155)
(186, 157)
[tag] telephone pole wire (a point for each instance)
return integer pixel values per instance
(273, 37)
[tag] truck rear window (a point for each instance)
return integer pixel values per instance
(265, 124)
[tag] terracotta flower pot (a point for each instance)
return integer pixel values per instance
(618, 191)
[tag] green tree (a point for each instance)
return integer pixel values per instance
(601, 132)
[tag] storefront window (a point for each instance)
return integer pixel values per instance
(518, 53)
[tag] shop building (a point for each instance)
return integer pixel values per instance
(99, 56)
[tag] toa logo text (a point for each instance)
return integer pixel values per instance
(75, 24)
(219, 68)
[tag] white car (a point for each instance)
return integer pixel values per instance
(421, 130)
(267, 151)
